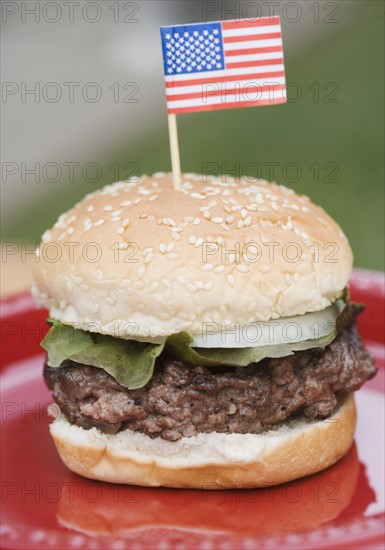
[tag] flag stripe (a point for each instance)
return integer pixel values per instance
(176, 92)
(231, 98)
(253, 63)
(252, 44)
(251, 37)
(256, 57)
(203, 95)
(226, 76)
(194, 107)
(251, 51)
(249, 23)
(254, 32)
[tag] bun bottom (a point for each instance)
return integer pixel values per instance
(214, 461)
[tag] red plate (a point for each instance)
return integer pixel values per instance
(46, 506)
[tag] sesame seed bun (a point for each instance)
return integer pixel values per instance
(296, 448)
(139, 259)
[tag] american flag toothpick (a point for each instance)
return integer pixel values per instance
(221, 65)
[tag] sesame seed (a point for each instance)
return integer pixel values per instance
(141, 271)
(99, 274)
(166, 282)
(120, 230)
(217, 220)
(219, 269)
(212, 204)
(162, 248)
(199, 285)
(175, 236)
(99, 222)
(207, 267)
(169, 221)
(170, 247)
(206, 215)
(198, 196)
(244, 213)
(262, 209)
(248, 221)
(229, 219)
(242, 268)
(153, 198)
(192, 239)
(231, 280)
(264, 268)
(274, 206)
(148, 258)
(153, 287)
(209, 285)
(90, 208)
(191, 287)
(126, 203)
(199, 241)
(70, 230)
(197, 221)
(138, 285)
(108, 208)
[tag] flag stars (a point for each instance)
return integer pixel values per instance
(194, 51)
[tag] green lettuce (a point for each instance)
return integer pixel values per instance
(130, 363)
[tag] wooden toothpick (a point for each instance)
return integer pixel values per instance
(174, 148)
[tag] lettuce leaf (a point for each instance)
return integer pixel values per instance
(130, 363)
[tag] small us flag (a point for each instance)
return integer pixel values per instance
(223, 64)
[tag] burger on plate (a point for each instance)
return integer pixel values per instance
(199, 338)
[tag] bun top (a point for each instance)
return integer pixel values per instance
(139, 259)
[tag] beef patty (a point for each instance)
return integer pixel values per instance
(182, 400)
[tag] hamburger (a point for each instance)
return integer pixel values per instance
(199, 338)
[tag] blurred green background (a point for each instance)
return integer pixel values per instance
(333, 134)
